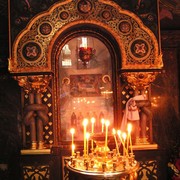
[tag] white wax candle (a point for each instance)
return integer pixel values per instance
(106, 140)
(117, 147)
(129, 134)
(124, 136)
(73, 148)
(121, 140)
(92, 131)
(85, 122)
(72, 131)
(87, 138)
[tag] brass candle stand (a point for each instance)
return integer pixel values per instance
(103, 161)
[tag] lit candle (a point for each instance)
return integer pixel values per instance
(85, 122)
(92, 131)
(117, 148)
(129, 128)
(124, 135)
(87, 137)
(72, 131)
(127, 140)
(102, 121)
(107, 124)
(73, 148)
(120, 137)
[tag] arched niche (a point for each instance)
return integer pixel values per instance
(97, 98)
(134, 50)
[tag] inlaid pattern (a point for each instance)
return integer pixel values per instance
(36, 172)
(48, 128)
(138, 44)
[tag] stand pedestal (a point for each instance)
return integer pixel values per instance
(75, 174)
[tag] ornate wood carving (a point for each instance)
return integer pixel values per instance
(148, 170)
(35, 83)
(33, 47)
(35, 115)
(139, 80)
(36, 172)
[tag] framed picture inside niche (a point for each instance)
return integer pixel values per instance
(86, 85)
(90, 96)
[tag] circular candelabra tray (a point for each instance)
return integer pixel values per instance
(102, 159)
(108, 164)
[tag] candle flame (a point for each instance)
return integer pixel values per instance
(85, 122)
(93, 120)
(102, 121)
(107, 123)
(119, 132)
(129, 127)
(73, 147)
(72, 130)
(87, 135)
(114, 131)
(124, 135)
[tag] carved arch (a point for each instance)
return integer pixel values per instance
(33, 46)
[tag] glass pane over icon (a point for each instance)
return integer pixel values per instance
(85, 81)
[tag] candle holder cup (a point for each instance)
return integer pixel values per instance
(100, 146)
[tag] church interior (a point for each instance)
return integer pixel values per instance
(89, 89)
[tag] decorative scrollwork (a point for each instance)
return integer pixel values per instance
(64, 15)
(139, 50)
(106, 14)
(148, 170)
(35, 112)
(36, 84)
(139, 80)
(138, 44)
(45, 28)
(125, 27)
(38, 172)
(31, 52)
(84, 6)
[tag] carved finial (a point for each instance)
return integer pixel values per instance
(34, 83)
(139, 80)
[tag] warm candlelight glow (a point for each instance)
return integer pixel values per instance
(122, 142)
(117, 147)
(87, 138)
(92, 121)
(124, 136)
(87, 135)
(85, 122)
(119, 135)
(103, 122)
(73, 148)
(72, 131)
(129, 129)
(114, 131)
(106, 140)
(92, 131)
(101, 158)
